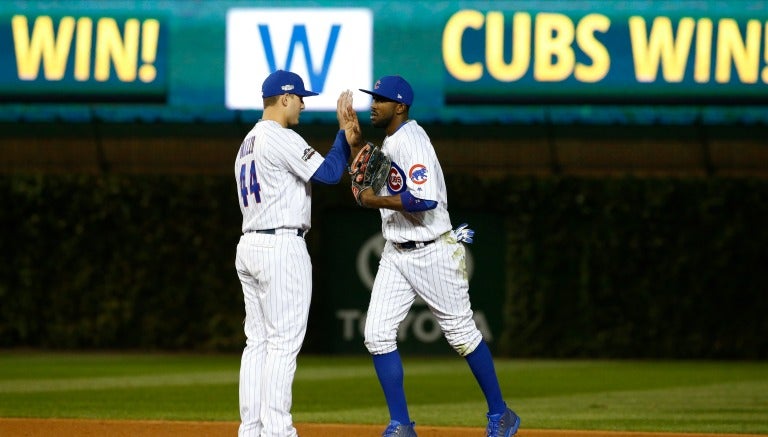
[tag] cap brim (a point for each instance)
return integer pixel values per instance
(384, 97)
(307, 94)
(378, 95)
(371, 92)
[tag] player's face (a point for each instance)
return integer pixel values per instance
(295, 105)
(382, 111)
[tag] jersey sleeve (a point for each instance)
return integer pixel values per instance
(420, 168)
(299, 156)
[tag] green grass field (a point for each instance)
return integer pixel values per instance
(679, 396)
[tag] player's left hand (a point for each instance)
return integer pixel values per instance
(369, 169)
(463, 234)
(348, 121)
(364, 196)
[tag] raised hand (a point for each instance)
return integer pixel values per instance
(348, 121)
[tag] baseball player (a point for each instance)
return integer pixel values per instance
(274, 169)
(423, 258)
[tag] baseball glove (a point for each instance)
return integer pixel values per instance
(369, 169)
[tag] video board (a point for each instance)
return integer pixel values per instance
(468, 61)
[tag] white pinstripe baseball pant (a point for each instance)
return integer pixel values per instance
(276, 275)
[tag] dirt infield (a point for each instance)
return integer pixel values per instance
(124, 428)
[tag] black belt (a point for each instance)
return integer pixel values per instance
(408, 245)
(299, 232)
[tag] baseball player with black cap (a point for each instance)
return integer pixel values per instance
(423, 257)
(274, 169)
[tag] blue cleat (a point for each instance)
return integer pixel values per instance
(502, 425)
(397, 429)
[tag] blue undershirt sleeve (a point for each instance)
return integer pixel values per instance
(335, 162)
(414, 204)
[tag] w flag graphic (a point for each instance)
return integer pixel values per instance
(331, 49)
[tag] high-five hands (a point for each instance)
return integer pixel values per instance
(348, 121)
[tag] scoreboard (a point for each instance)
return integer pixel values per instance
(591, 61)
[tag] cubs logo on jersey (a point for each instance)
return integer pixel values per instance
(396, 179)
(418, 174)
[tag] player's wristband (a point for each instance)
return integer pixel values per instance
(414, 204)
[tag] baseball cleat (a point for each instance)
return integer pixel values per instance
(502, 425)
(397, 429)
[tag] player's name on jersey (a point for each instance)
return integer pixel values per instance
(246, 148)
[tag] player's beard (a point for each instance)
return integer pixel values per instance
(378, 121)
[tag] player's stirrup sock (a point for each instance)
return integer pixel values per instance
(389, 369)
(481, 363)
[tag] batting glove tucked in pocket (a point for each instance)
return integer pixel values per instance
(463, 234)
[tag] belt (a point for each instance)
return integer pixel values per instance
(408, 245)
(299, 232)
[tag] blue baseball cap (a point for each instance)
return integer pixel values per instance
(393, 88)
(284, 82)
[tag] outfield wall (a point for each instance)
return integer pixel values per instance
(565, 267)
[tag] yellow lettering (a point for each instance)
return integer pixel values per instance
(765, 49)
(661, 46)
(42, 46)
(149, 35)
(585, 38)
(703, 61)
(554, 36)
(83, 41)
(494, 46)
(452, 36)
(744, 54)
(122, 50)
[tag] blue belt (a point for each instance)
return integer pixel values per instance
(408, 245)
(299, 232)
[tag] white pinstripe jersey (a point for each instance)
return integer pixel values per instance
(414, 167)
(272, 170)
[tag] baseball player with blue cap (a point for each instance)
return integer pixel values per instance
(274, 169)
(284, 82)
(393, 88)
(423, 257)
